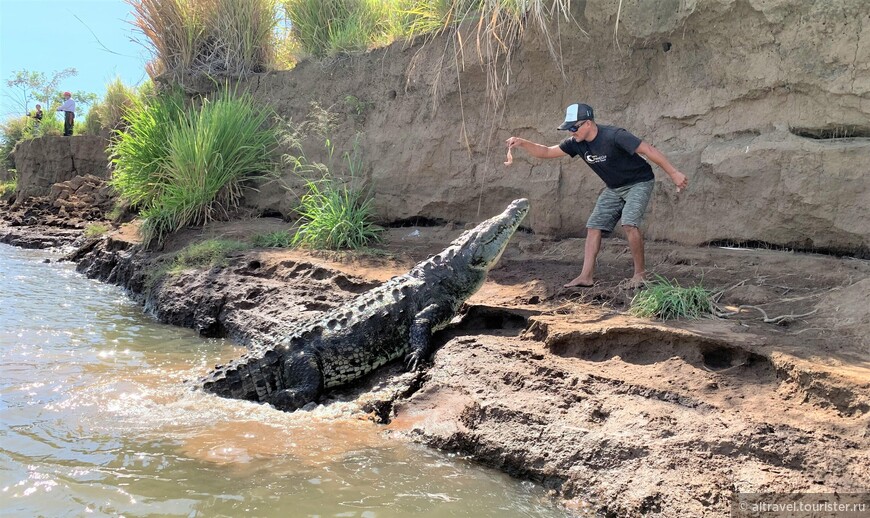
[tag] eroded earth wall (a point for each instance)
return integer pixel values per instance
(763, 104)
(45, 161)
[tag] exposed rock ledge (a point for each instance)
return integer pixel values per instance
(626, 416)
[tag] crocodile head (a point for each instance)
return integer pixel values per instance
(472, 254)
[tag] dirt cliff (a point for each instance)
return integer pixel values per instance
(763, 104)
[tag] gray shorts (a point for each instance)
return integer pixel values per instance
(628, 203)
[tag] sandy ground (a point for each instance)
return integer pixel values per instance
(619, 416)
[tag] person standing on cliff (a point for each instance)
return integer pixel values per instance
(37, 116)
(69, 114)
(618, 157)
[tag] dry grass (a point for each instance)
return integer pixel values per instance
(192, 38)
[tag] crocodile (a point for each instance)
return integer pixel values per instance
(390, 321)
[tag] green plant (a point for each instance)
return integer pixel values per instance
(668, 300)
(358, 107)
(187, 167)
(277, 239)
(208, 253)
(96, 229)
(108, 113)
(327, 27)
(337, 214)
(140, 152)
(12, 131)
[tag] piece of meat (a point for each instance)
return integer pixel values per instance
(510, 158)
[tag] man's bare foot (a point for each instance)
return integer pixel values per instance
(580, 282)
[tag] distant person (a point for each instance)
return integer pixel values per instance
(69, 114)
(37, 116)
(616, 156)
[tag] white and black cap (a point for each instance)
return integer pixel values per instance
(576, 113)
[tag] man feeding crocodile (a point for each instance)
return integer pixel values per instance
(620, 159)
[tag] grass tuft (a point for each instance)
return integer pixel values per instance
(336, 217)
(337, 214)
(206, 254)
(668, 300)
(277, 239)
(193, 38)
(186, 167)
(96, 229)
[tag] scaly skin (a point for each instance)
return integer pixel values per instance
(394, 320)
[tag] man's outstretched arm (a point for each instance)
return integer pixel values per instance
(658, 158)
(535, 150)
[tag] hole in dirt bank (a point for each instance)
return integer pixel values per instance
(492, 320)
(417, 221)
(806, 246)
(832, 132)
(648, 346)
(271, 213)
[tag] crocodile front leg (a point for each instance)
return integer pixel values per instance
(302, 383)
(420, 340)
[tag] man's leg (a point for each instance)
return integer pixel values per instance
(636, 200)
(590, 252)
(604, 216)
(635, 244)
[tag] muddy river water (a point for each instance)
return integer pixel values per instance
(96, 420)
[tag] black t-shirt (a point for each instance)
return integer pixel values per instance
(612, 156)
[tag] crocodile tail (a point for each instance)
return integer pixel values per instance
(252, 377)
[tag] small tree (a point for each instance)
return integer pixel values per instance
(26, 87)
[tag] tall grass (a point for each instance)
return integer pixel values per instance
(499, 27)
(108, 113)
(668, 300)
(140, 152)
(186, 167)
(191, 38)
(337, 214)
(326, 27)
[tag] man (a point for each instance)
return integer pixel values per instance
(617, 157)
(69, 114)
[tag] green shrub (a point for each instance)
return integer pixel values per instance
(335, 217)
(108, 113)
(140, 153)
(277, 239)
(668, 300)
(12, 131)
(326, 27)
(209, 253)
(186, 167)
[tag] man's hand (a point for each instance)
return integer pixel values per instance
(680, 180)
(514, 142)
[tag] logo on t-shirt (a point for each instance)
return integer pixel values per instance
(595, 159)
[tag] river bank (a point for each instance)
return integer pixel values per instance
(618, 416)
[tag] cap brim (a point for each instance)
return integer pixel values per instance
(565, 125)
